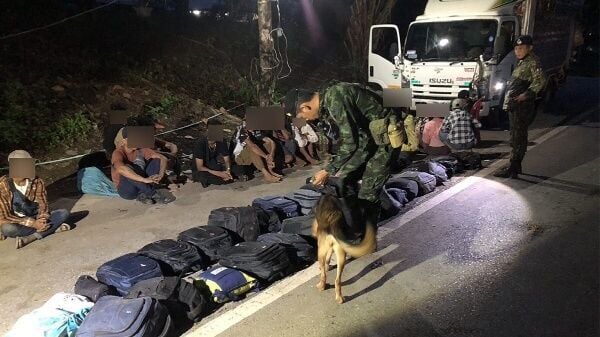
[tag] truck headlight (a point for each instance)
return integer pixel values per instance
(499, 86)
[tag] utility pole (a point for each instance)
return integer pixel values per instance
(265, 52)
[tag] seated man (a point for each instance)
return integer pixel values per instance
(167, 149)
(283, 139)
(432, 145)
(457, 131)
(212, 164)
(24, 212)
(247, 152)
(306, 139)
(136, 171)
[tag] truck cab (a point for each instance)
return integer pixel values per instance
(460, 45)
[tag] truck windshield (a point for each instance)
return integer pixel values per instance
(451, 41)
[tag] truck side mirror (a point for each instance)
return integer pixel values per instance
(397, 61)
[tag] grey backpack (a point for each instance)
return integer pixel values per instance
(426, 181)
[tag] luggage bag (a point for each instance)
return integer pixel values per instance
(87, 286)
(114, 316)
(267, 262)
(307, 199)
(175, 257)
(299, 225)
(426, 181)
(210, 240)
(227, 284)
(240, 220)
(283, 207)
(125, 271)
(300, 251)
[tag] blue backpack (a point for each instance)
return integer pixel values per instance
(127, 270)
(283, 207)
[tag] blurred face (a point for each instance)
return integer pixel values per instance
(522, 51)
(309, 110)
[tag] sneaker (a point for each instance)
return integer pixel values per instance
(163, 196)
(144, 199)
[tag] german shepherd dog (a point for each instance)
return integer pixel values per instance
(327, 229)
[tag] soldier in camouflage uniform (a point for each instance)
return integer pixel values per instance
(526, 83)
(351, 108)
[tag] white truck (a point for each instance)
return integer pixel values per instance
(468, 45)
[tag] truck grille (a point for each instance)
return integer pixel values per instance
(437, 92)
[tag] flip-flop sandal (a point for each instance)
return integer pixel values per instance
(63, 228)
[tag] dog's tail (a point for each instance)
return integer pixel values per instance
(366, 246)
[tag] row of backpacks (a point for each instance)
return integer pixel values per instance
(422, 177)
(168, 285)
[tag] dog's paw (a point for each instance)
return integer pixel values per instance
(340, 299)
(321, 286)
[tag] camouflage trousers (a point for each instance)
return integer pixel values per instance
(373, 172)
(521, 116)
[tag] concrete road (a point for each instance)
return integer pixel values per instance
(480, 257)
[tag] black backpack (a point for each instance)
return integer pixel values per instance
(88, 286)
(267, 262)
(241, 220)
(300, 251)
(212, 241)
(186, 302)
(469, 160)
(175, 257)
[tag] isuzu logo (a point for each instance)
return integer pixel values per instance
(440, 81)
(438, 70)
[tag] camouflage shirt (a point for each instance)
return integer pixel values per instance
(528, 77)
(351, 108)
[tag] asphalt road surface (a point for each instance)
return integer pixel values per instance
(485, 257)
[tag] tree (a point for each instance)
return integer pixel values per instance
(364, 14)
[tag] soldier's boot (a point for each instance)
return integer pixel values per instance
(512, 171)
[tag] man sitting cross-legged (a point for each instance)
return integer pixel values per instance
(136, 171)
(24, 212)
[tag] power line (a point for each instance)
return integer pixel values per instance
(57, 22)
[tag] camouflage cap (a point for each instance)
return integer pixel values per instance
(524, 40)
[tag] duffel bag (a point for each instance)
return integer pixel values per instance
(240, 220)
(114, 316)
(227, 284)
(426, 181)
(88, 286)
(127, 270)
(210, 240)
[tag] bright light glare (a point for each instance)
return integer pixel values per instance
(499, 86)
(444, 42)
(196, 12)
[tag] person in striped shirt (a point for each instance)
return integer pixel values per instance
(27, 224)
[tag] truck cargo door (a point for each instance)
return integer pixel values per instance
(385, 56)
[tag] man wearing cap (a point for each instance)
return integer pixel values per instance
(351, 108)
(526, 83)
(24, 212)
(136, 172)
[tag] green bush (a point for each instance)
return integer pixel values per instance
(164, 107)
